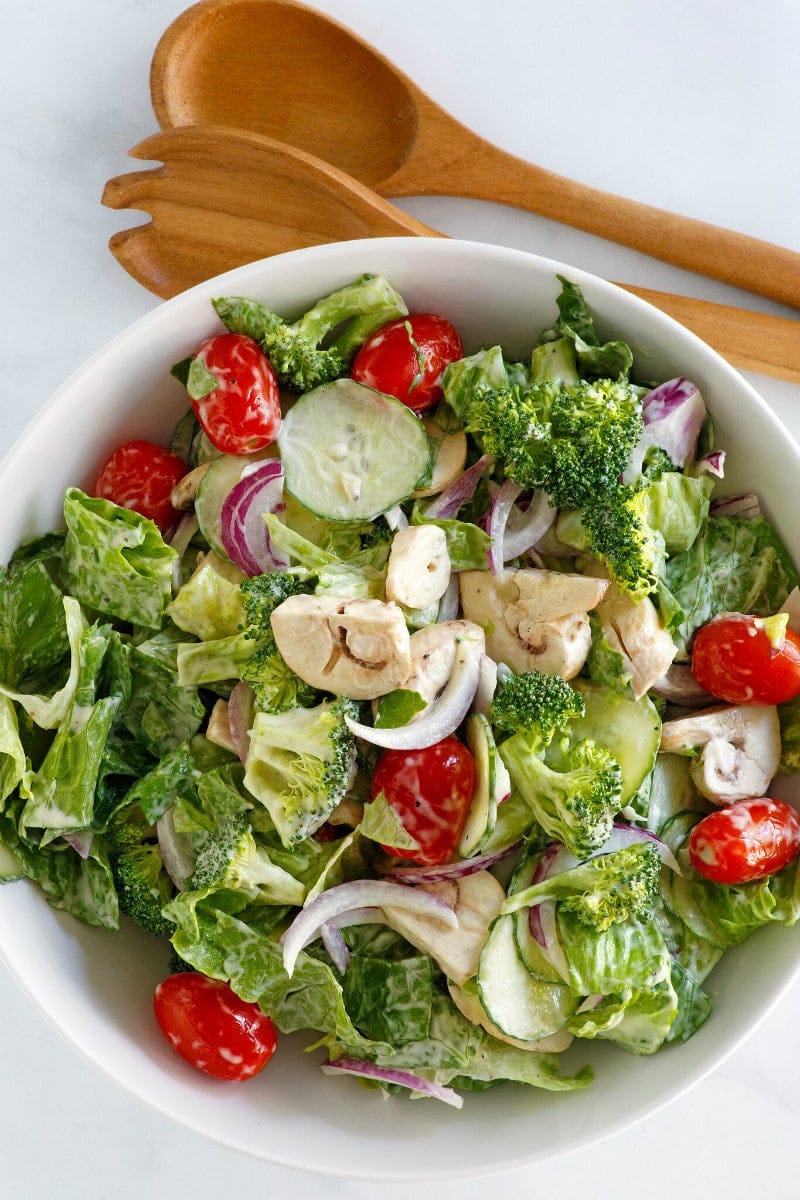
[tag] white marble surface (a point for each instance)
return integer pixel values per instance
(690, 106)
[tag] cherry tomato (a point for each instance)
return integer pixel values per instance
(406, 357)
(141, 476)
(748, 840)
(734, 659)
(207, 1024)
(430, 792)
(243, 414)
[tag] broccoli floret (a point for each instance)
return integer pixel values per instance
(541, 705)
(231, 858)
(604, 891)
(300, 765)
(618, 534)
(573, 440)
(295, 350)
(142, 883)
(573, 800)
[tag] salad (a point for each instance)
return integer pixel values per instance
(427, 701)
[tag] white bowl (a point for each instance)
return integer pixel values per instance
(96, 987)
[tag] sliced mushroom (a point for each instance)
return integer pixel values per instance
(533, 618)
(680, 687)
(357, 648)
(469, 1004)
(348, 812)
(419, 566)
(451, 454)
(740, 749)
(791, 605)
(433, 651)
(478, 899)
(637, 633)
(183, 494)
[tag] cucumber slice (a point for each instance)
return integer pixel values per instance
(482, 813)
(529, 950)
(350, 453)
(519, 1005)
(630, 729)
(677, 828)
(222, 475)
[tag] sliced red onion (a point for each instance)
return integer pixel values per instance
(746, 508)
(176, 850)
(441, 717)
(450, 601)
(712, 464)
(357, 916)
(244, 535)
(525, 529)
(543, 926)
(368, 1070)
(627, 835)
(81, 841)
(241, 709)
(791, 605)
(674, 414)
(182, 535)
(336, 946)
(447, 504)
(487, 685)
(679, 686)
(452, 870)
(395, 518)
(496, 521)
(360, 893)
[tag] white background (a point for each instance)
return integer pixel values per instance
(689, 104)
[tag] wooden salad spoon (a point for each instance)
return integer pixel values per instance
(295, 74)
(225, 197)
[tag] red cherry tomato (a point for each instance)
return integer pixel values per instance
(243, 414)
(430, 792)
(207, 1024)
(406, 357)
(734, 659)
(141, 476)
(748, 840)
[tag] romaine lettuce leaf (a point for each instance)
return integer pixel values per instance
(611, 360)
(627, 956)
(390, 1000)
(82, 887)
(49, 711)
(676, 506)
(638, 1020)
(735, 565)
(14, 765)
(33, 630)
(161, 713)
(210, 603)
(116, 561)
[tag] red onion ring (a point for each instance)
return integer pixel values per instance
(447, 504)
(368, 1070)
(746, 508)
(244, 535)
(452, 870)
(360, 893)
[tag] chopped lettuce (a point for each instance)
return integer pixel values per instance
(210, 603)
(735, 565)
(116, 561)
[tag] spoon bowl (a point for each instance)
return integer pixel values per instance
(274, 67)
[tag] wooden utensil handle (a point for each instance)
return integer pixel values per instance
(751, 341)
(470, 166)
